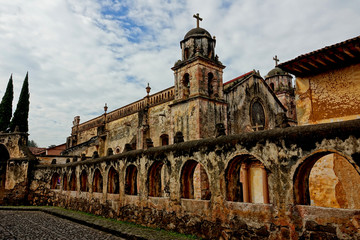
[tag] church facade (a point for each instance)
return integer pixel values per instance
(199, 105)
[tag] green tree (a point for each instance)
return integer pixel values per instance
(32, 143)
(6, 106)
(21, 114)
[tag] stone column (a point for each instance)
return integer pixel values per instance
(244, 172)
(265, 185)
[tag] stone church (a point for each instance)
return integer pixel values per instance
(214, 158)
(199, 105)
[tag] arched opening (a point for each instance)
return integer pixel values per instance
(73, 181)
(65, 182)
(84, 181)
(272, 86)
(194, 181)
(164, 139)
(186, 53)
(186, 85)
(246, 180)
(55, 181)
(113, 181)
(327, 179)
(131, 180)
(97, 185)
(4, 156)
(155, 186)
(210, 84)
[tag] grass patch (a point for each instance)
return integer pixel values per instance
(120, 222)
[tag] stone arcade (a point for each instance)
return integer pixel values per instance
(192, 158)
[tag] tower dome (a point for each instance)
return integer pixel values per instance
(198, 42)
(276, 72)
(197, 32)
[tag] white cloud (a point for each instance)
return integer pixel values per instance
(81, 54)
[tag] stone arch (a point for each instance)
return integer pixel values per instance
(194, 181)
(65, 182)
(131, 180)
(4, 156)
(97, 184)
(246, 180)
(84, 187)
(113, 181)
(342, 189)
(154, 179)
(55, 181)
(73, 181)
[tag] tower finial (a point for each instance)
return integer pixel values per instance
(148, 88)
(198, 19)
(276, 60)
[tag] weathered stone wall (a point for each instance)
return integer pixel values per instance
(330, 96)
(286, 154)
(14, 167)
(15, 144)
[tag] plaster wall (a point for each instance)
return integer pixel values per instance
(328, 97)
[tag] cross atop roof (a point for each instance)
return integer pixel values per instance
(198, 19)
(276, 60)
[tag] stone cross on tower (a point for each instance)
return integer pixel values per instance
(276, 60)
(198, 19)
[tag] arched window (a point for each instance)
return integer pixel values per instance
(327, 179)
(65, 183)
(186, 85)
(186, 53)
(210, 84)
(246, 180)
(164, 139)
(84, 181)
(113, 181)
(194, 181)
(55, 181)
(131, 180)
(73, 181)
(257, 116)
(97, 185)
(272, 86)
(154, 176)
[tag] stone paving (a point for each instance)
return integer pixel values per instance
(39, 225)
(57, 223)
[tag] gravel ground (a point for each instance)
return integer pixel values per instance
(39, 225)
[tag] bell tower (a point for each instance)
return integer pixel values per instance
(199, 100)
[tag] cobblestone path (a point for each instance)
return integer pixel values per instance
(39, 225)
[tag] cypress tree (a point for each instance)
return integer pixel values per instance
(21, 113)
(6, 106)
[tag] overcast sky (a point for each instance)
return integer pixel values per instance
(82, 54)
